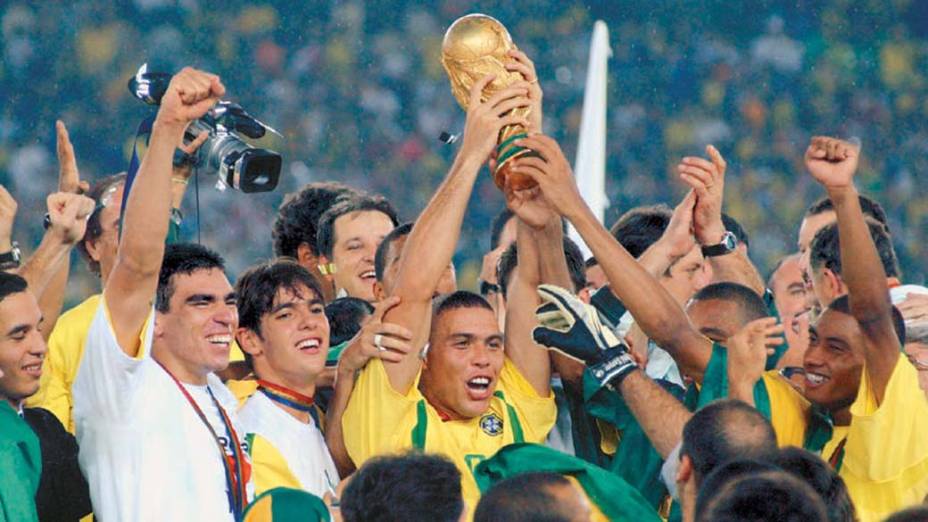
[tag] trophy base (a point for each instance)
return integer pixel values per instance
(506, 152)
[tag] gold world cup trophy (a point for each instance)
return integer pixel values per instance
(474, 46)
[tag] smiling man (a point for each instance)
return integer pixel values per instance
(285, 334)
(153, 410)
(347, 239)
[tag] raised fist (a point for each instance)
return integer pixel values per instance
(190, 94)
(832, 162)
(68, 215)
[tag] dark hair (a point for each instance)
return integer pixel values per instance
(750, 304)
(325, 229)
(257, 287)
(299, 213)
(182, 258)
(732, 225)
(412, 486)
(868, 205)
(912, 514)
(458, 299)
(94, 227)
(524, 498)
(380, 258)
(843, 305)
(815, 472)
(723, 430)
(641, 227)
(497, 226)
(825, 249)
(510, 259)
(345, 316)
(725, 473)
(590, 262)
(11, 284)
(767, 495)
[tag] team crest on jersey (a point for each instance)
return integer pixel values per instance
(491, 424)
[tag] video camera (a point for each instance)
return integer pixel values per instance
(238, 164)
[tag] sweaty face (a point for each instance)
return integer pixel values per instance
(807, 230)
(715, 318)
(196, 332)
(22, 348)
(357, 235)
(464, 360)
(687, 276)
(294, 338)
(103, 248)
(833, 361)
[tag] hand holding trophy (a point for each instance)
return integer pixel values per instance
(477, 45)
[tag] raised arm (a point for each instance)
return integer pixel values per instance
(676, 241)
(654, 309)
(540, 249)
(68, 219)
(833, 163)
(433, 238)
(130, 289)
(747, 356)
(707, 179)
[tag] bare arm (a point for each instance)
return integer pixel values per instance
(396, 342)
(833, 163)
(433, 238)
(659, 413)
(654, 309)
(130, 289)
(707, 179)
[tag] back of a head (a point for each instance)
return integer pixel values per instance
(325, 227)
(912, 514)
(825, 248)
(774, 496)
(182, 259)
(299, 213)
(398, 488)
(641, 227)
(730, 471)
(751, 305)
(811, 469)
(497, 226)
(870, 207)
(346, 316)
(575, 265)
(725, 430)
(529, 497)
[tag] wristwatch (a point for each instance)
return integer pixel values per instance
(10, 260)
(726, 246)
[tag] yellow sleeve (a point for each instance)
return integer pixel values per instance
(789, 410)
(886, 441)
(536, 413)
(269, 468)
(378, 419)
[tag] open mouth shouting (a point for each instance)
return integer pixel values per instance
(478, 387)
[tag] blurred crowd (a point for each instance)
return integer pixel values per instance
(357, 91)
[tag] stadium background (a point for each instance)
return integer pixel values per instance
(359, 94)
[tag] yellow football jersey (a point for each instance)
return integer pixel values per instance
(379, 420)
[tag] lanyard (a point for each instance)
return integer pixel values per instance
(234, 465)
(286, 396)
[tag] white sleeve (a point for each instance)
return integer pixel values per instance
(107, 378)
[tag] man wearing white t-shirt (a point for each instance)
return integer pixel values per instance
(284, 333)
(157, 430)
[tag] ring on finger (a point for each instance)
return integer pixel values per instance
(378, 342)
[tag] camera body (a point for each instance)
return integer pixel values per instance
(224, 153)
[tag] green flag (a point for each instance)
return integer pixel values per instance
(284, 504)
(613, 496)
(20, 467)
